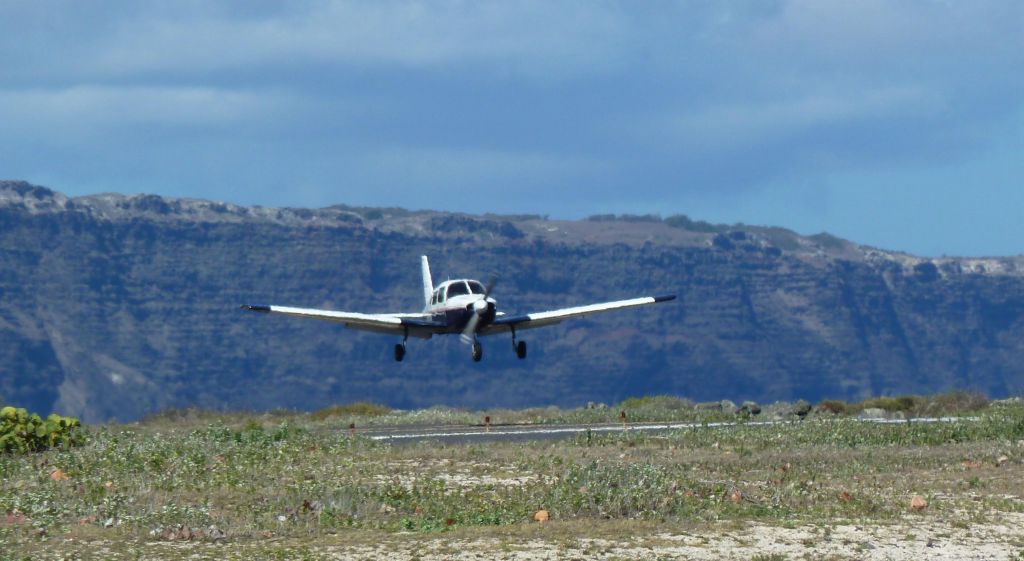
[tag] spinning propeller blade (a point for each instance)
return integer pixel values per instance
(480, 306)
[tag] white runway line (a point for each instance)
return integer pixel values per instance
(537, 430)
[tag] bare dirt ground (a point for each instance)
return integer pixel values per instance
(913, 538)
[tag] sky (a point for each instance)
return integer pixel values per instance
(898, 124)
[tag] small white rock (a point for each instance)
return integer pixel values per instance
(215, 533)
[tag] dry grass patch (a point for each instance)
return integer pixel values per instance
(318, 491)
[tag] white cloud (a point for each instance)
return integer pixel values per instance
(742, 123)
(469, 172)
(864, 32)
(91, 109)
(527, 38)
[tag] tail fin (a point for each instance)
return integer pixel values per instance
(428, 284)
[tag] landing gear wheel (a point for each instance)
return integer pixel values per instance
(521, 349)
(478, 352)
(399, 352)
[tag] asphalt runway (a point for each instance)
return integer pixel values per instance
(467, 434)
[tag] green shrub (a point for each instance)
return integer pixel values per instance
(904, 403)
(957, 401)
(656, 402)
(684, 222)
(357, 409)
(833, 406)
(22, 432)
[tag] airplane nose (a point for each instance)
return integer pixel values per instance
(480, 306)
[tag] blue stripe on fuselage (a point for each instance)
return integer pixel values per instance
(450, 320)
(505, 320)
(454, 319)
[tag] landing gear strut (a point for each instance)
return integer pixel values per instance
(478, 351)
(400, 347)
(520, 347)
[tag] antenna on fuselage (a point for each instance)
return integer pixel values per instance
(428, 284)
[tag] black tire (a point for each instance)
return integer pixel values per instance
(478, 352)
(399, 352)
(521, 349)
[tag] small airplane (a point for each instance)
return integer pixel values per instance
(461, 306)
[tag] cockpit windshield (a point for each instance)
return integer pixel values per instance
(475, 287)
(457, 288)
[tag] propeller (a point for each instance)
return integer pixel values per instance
(479, 309)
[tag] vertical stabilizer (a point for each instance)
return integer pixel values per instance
(428, 284)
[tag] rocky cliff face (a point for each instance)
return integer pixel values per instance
(114, 306)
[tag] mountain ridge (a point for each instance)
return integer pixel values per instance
(115, 306)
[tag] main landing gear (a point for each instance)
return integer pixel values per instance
(400, 347)
(478, 350)
(520, 347)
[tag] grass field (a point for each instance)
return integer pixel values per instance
(290, 486)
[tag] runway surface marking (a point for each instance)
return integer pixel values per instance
(540, 432)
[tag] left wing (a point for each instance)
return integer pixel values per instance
(541, 319)
(416, 325)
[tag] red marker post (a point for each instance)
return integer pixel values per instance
(487, 423)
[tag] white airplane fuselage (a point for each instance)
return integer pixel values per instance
(454, 303)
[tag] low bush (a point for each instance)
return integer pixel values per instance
(905, 404)
(833, 406)
(357, 409)
(953, 402)
(663, 402)
(957, 401)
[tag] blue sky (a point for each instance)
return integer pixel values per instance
(897, 124)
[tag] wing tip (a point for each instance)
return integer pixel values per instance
(264, 309)
(664, 298)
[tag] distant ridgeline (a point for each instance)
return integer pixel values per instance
(116, 306)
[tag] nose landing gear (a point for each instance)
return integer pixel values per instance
(478, 351)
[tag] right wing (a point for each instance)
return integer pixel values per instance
(540, 319)
(416, 325)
